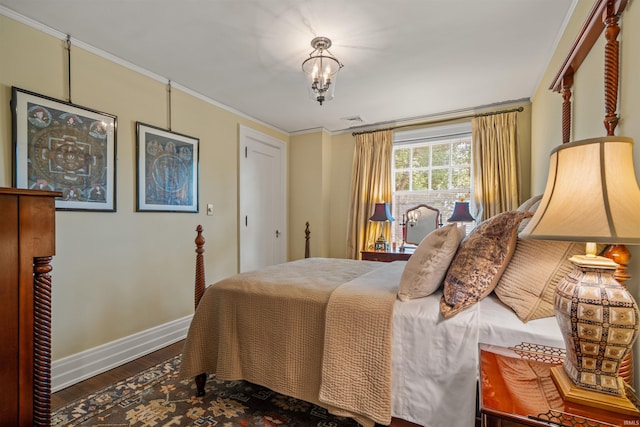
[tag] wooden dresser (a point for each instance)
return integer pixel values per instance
(27, 243)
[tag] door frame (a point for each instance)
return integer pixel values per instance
(246, 133)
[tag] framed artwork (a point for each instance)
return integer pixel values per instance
(63, 147)
(167, 173)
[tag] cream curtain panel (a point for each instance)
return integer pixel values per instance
(370, 184)
(496, 183)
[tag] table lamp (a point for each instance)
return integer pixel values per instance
(461, 213)
(382, 214)
(592, 196)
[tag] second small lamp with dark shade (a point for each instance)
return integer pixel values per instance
(461, 213)
(381, 213)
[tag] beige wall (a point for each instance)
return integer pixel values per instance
(306, 163)
(588, 108)
(119, 273)
(320, 188)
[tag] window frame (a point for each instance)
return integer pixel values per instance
(429, 137)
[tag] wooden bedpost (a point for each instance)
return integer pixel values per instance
(307, 251)
(567, 82)
(611, 66)
(200, 282)
(201, 379)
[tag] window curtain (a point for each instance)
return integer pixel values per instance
(495, 168)
(370, 184)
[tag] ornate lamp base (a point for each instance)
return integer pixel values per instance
(608, 402)
(381, 243)
(599, 321)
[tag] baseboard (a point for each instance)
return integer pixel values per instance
(78, 367)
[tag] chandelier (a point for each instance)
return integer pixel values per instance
(322, 67)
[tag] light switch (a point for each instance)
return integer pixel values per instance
(210, 209)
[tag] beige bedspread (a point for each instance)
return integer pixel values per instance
(271, 327)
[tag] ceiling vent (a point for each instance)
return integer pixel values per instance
(353, 119)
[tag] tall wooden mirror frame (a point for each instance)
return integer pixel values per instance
(604, 16)
(414, 231)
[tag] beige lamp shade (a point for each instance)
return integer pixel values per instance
(592, 194)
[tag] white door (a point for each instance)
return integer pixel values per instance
(262, 200)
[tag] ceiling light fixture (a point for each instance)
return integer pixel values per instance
(322, 67)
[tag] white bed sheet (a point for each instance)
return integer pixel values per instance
(435, 360)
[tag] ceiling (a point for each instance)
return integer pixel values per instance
(404, 60)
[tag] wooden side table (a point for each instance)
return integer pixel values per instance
(516, 389)
(385, 256)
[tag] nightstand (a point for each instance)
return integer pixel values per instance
(516, 389)
(385, 256)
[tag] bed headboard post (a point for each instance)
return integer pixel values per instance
(567, 83)
(611, 66)
(604, 16)
(200, 282)
(307, 251)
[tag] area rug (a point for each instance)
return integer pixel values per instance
(155, 397)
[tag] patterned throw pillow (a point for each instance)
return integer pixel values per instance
(426, 268)
(480, 261)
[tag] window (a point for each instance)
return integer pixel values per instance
(431, 166)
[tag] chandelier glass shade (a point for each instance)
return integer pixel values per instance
(322, 68)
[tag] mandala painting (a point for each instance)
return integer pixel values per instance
(66, 148)
(167, 170)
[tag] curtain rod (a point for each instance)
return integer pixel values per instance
(430, 122)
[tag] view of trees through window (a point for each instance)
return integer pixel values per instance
(435, 172)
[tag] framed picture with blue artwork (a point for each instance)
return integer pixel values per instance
(60, 146)
(167, 175)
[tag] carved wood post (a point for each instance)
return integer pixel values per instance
(611, 65)
(42, 341)
(307, 251)
(200, 281)
(201, 379)
(567, 83)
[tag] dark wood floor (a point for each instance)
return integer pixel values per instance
(120, 373)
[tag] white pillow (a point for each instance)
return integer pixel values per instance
(425, 270)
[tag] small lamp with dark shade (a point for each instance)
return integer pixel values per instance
(461, 213)
(382, 214)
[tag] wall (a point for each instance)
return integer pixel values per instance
(588, 109)
(320, 191)
(308, 165)
(116, 274)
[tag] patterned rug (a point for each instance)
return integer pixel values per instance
(156, 397)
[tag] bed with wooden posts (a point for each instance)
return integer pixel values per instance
(334, 332)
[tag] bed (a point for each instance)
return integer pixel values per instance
(334, 332)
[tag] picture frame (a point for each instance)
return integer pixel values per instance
(167, 170)
(64, 147)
